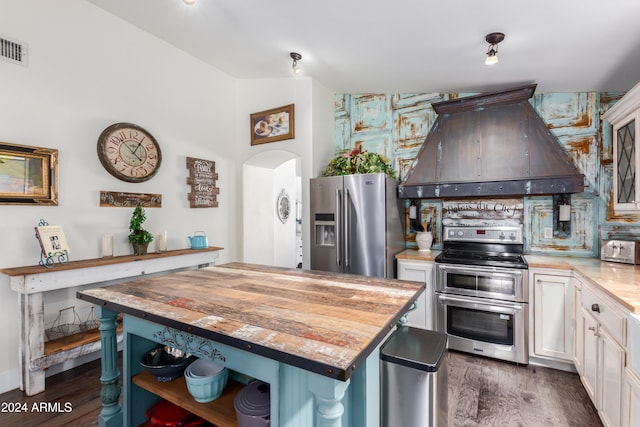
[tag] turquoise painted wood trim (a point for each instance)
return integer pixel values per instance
(142, 335)
(298, 397)
(111, 414)
(328, 395)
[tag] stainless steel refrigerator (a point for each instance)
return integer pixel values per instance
(355, 224)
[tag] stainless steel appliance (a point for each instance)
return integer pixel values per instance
(624, 251)
(355, 224)
(482, 292)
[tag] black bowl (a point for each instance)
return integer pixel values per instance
(165, 363)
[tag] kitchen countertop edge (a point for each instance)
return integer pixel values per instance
(621, 282)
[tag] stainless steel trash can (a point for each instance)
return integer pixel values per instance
(413, 379)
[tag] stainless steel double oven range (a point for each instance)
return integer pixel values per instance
(482, 292)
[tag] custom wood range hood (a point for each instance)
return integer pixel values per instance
(493, 144)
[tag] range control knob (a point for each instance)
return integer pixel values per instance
(460, 233)
(501, 236)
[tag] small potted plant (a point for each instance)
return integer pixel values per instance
(138, 236)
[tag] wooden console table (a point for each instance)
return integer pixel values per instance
(33, 281)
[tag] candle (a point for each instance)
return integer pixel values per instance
(107, 245)
(162, 241)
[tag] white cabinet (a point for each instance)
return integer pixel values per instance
(631, 400)
(578, 327)
(602, 325)
(552, 315)
(624, 117)
(419, 271)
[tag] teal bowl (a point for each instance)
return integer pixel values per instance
(206, 388)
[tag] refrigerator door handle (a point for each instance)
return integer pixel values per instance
(346, 224)
(337, 231)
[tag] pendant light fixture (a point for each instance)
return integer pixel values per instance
(492, 54)
(295, 67)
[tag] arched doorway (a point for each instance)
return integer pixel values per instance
(272, 220)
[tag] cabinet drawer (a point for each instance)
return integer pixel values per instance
(609, 316)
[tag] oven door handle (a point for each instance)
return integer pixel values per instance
(480, 301)
(474, 269)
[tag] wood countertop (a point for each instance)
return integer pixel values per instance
(327, 323)
(96, 262)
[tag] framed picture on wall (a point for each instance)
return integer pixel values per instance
(273, 125)
(28, 175)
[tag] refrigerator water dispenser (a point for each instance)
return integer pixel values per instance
(325, 230)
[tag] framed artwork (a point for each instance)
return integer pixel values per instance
(28, 175)
(273, 125)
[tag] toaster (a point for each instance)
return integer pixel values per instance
(624, 251)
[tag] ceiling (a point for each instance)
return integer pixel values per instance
(401, 46)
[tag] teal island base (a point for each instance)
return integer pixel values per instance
(299, 398)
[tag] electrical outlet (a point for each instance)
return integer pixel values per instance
(548, 233)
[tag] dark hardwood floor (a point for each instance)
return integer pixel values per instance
(482, 392)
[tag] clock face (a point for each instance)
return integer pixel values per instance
(128, 152)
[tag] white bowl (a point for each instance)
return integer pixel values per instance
(203, 368)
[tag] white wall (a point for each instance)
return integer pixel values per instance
(87, 70)
(267, 240)
(314, 109)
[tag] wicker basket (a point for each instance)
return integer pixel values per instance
(59, 329)
(91, 323)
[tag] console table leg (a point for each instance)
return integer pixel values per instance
(31, 342)
(328, 393)
(111, 415)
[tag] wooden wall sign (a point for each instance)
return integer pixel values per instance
(483, 212)
(129, 200)
(202, 179)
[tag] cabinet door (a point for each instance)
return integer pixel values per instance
(419, 271)
(553, 316)
(578, 329)
(610, 379)
(631, 400)
(590, 344)
(625, 166)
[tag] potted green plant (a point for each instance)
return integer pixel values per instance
(138, 236)
(348, 162)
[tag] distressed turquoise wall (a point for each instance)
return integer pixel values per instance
(395, 125)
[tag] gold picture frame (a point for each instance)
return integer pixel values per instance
(273, 125)
(28, 175)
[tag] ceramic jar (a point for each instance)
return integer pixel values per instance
(424, 239)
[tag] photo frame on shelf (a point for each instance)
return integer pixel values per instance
(273, 125)
(28, 175)
(52, 240)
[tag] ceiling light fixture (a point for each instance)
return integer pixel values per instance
(189, 2)
(295, 67)
(492, 54)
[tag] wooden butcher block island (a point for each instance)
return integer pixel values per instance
(313, 336)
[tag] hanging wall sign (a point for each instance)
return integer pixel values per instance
(202, 179)
(483, 212)
(127, 200)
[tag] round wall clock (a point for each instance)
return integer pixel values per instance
(283, 206)
(128, 152)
